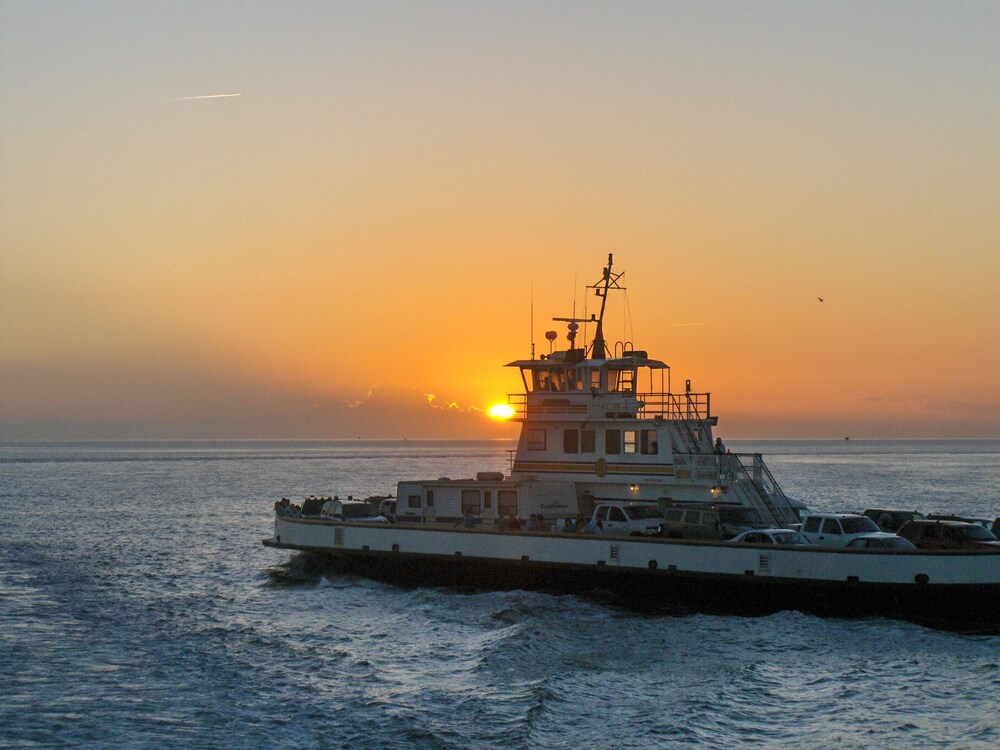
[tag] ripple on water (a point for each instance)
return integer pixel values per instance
(142, 610)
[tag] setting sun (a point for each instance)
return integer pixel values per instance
(501, 411)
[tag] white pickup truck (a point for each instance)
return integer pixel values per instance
(836, 529)
(628, 519)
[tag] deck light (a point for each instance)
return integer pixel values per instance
(634, 488)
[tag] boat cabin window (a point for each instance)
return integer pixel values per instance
(470, 502)
(595, 379)
(648, 443)
(528, 377)
(487, 499)
(631, 440)
(573, 380)
(571, 441)
(621, 381)
(557, 379)
(535, 439)
(612, 442)
(413, 501)
(579, 441)
(430, 498)
(507, 502)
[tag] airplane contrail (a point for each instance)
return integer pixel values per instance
(204, 96)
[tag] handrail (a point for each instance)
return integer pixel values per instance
(761, 484)
(755, 486)
(648, 405)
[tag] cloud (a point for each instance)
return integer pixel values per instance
(393, 412)
(204, 96)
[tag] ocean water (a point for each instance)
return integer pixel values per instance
(138, 608)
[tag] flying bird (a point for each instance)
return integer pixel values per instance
(820, 299)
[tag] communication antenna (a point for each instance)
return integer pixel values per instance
(608, 281)
(531, 330)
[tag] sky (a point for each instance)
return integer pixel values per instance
(351, 242)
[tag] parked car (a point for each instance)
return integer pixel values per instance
(355, 511)
(984, 522)
(770, 536)
(387, 508)
(631, 519)
(880, 540)
(708, 520)
(836, 529)
(930, 534)
(891, 519)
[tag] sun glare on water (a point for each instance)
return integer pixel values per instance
(501, 411)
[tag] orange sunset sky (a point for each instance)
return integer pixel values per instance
(348, 245)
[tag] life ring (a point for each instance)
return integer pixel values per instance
(600, 467)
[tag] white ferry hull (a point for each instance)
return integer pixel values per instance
(956, 590)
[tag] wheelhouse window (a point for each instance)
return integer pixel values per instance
(612, 442)
(571, 441)
(557, 379)
(471, 502)
(573, 382)
(612, 380)
(507, 502)
(621, 381)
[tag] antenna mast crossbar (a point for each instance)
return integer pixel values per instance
(608, 281)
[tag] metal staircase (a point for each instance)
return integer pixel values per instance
(757, 488)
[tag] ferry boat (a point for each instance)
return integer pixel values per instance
(602, 427)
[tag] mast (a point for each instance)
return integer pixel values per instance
(599, 349)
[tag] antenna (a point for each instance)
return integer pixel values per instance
(531, 330)
(608, 281)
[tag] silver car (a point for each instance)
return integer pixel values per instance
(770, 536)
